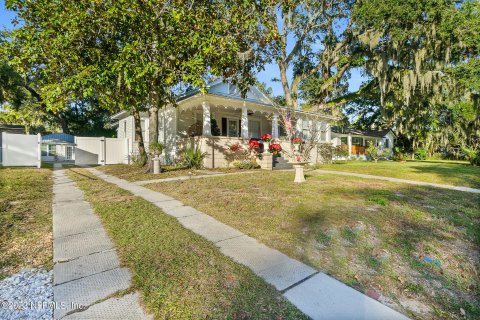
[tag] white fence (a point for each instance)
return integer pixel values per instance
(100, 150)
(20, 150)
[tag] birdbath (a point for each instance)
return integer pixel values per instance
(299, 176)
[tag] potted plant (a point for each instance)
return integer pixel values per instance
(266, 138)
(275, 148)
(156, 148)
(297, 141)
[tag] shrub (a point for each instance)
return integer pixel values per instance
(193, 158)
(245, 164)
(420, 154)
(138, 160)
(339, 152)
(326, 152)
(472, 156)
(375, 153)
(399, 154)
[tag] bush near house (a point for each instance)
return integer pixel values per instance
(376, 153)
(193, 157)
(472, 156)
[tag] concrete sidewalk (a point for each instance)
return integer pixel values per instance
(414, 182)
(86, 271)
(314, 293)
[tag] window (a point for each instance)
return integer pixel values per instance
(254, 130)
(387, 143)
(306, 129)
(125, 128)
(52, 150)
(344, 140)
(69, 152)
(356, 141)
(44, 150)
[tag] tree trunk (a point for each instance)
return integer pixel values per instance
(154, 105)
(284, 79)
(139, 136)
(63, 122)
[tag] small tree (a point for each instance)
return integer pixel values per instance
(326, 152)
(376, 153)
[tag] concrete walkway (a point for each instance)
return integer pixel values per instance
(314, 293)
(86, 271)
(418, 183)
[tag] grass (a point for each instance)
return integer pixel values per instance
(453, 173)
(179, 274)
(370, 234)
(25, 219)
(136, 173)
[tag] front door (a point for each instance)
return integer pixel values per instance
(233, 128)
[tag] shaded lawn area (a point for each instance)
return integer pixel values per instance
(135, 173)
(444, 172)
(369, 234)
(25, 219)
(179, 274)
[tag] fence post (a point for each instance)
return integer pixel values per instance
(39, 151)
(4, 148)
(103, 149)
(127, 150)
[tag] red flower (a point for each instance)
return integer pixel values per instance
(297, 140)
(266, 137)
(275, 148)
(253, 144)
(235, 147)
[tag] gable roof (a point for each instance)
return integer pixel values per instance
(12, 127)
(58, 138)
(369, 133)
(225, 89)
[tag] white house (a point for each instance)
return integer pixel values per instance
(356, 141)
(219, 118)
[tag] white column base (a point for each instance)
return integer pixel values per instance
(299, 175)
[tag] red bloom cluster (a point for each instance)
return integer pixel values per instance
(266, 137)
(275, 148)
(253, 144)
(235, 147)
(297, 140)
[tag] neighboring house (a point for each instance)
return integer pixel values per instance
(217, 119)
(356, 141)
(11, 128)
(58, 147)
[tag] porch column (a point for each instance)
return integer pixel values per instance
(207, 128)
(349, 144)
(328, 135)
(275, 126)
(299, 127)
(244, 122)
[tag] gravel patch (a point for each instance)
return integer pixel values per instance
(27, 294)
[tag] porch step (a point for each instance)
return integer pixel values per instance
(280, 163)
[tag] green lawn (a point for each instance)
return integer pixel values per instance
(179, 274)
(453, 173)
(25, 219)
(370, 234)
(136, 173)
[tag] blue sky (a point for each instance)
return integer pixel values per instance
(270, 72)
